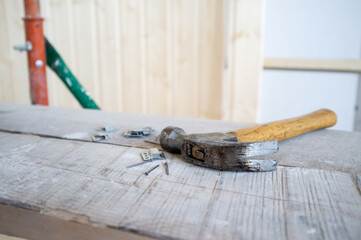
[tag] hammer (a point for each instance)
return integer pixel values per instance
(235, 151)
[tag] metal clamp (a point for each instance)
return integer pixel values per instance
(27, 47)
(100, 137)
(153, 154)
(146, 131)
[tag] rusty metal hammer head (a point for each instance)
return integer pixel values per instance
(219, 150)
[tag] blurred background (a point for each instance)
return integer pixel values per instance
(238, 60)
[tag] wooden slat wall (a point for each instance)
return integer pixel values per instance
(156, 57)
(14, 83)
(245, 60)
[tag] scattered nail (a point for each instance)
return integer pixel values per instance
(137, 164)
(166, 168)
(146, 173)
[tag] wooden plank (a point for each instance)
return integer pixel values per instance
(244, 58)
(86, 42)
(14, 82)
(313, 64)
(291, 207)
(320, 149)
(210, 62)
(108, 29)
(83, 124)
(158, 82)
(58, 20)
(6, 92)
(131, 56)
(186, 84)
(89, 183)
(170, 53)
(30, 225)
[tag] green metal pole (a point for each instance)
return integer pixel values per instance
(55, 62)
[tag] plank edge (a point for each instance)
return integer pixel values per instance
(30, 223)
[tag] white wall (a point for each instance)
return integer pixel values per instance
(311, 29)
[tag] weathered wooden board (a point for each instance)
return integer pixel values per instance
(83, 124)
(331, 150)
(89, 183)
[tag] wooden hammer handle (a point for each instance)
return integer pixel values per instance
(289, 128)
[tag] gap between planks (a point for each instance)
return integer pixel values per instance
(70, 139)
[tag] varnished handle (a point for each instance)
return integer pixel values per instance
(289, 128)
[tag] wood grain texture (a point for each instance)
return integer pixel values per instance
(158, 57)
(320, 149)
(88, 183)
(108, 21)
(288, 128)
(59, 19)
(14, 83)
(30, 224)
(313, 64)
(244, 60)
(210, 63)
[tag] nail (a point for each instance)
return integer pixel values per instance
(137, 164)
(166, 168)
(146, 173)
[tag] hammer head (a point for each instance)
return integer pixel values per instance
(219, 150)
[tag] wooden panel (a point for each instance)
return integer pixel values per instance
(245, 59)
(186, 86)
(156, 37)
(131, 57)
(7, 92)
(67, 181)
(14, 83)
(313, 64)
(86, 44)
(109, 51)
(210, 60)
(159, 57)
(59, 20)
(315, 150)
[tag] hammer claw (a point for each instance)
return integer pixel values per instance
(228, 155)
(253, 165)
